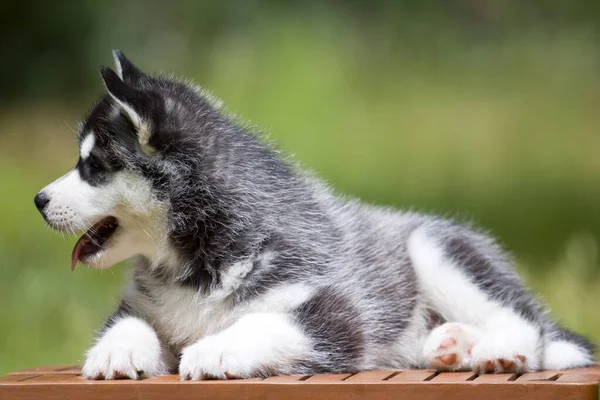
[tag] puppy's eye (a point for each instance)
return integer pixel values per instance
(95, 164)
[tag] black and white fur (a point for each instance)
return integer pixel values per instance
(248, 267)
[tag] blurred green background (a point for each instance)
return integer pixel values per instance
(480, 110)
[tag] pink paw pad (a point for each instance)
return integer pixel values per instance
(447, 359)
(501, 365)
(447, 343)
(448, 347)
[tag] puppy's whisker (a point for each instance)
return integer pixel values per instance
(143, 229)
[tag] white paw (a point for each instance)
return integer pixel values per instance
(257, 344)
(510, 344)
(495, 354)
(130, 348)
(215, 357)
(448, 347)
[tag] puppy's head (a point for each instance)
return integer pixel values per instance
(113, 193)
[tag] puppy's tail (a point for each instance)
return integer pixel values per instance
(565, 349)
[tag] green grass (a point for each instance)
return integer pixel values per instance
(505, 134)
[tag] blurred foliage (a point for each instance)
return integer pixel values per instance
(480, 110)
(49, 47)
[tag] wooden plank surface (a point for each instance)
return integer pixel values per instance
(17, 378)
(286, 379)
(328, 378)
(371, 376)
(569, 377)
(165, 378)
(62, 382)
(137, 390)
(586, 371)
(495, 378)
(413, 376)
(56, 369)
(49, 378)
(454, 377)
(548, 375)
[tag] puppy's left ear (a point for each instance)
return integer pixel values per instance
(128, 72)
(137, 104)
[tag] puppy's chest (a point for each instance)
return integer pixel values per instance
(182, 316)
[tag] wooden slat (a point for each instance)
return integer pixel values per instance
(371, 376)
(169, 379)
(51, 369)
(454, 377)
(163, 378)
(17, 378)
(539, 376)
(494, 378)
(286, 379)
(74, 370)
(50, 378)
(581, 378)
(80, 380)
(327, 378)
(413, 376)
(584, 371)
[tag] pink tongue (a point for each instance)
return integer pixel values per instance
(76, 251)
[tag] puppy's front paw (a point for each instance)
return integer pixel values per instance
(215, 357)
(258, 344)
(130, 349)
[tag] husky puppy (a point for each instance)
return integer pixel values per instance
(248, 267)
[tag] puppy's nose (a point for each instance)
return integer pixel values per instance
(40, 200)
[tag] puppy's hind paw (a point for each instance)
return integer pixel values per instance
(448, 347)
(491, 356)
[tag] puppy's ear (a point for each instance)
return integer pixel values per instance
(128, 72)
(136, 104)
(131, 100)
(120, 90)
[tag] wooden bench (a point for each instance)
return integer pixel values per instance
(65, 382)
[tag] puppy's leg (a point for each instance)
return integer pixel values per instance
(471, 285)
(127, 346)
(257, 344)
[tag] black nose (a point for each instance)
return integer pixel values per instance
(40, 200)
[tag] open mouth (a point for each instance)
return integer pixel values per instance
(94, 240)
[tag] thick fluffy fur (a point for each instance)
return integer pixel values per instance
(248, 267)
